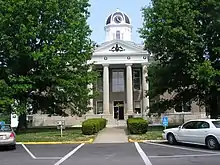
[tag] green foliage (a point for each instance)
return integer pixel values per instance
(137, 125)
(5, 118)
(183, 36)
(45, 47)
(92, 126)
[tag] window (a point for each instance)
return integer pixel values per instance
(5, 128)
(202, 125)
(118, 81)
(99, 107)
(183, 107)
(136, 79)
(99, 83)
(118, 35)
(189, 125)
(216, 123)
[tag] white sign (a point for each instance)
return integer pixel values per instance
(14, 120)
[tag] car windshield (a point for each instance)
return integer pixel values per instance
(5, 128)
(216, 123)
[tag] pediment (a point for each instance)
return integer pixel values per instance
(119, 47)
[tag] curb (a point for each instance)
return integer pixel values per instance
(146, 141)
(64, 142)
(133, 141)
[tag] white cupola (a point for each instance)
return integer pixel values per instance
(118, 27)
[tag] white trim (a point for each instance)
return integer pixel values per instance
(133, 46)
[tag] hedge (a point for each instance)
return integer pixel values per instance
(137, 125)
(92, 126)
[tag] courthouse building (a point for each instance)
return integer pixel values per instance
(122, 67)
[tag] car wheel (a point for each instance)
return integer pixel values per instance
(212, 143)
(171, 139)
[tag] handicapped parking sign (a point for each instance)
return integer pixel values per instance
(165, 121)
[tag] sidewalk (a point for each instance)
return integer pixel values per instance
(112, 135)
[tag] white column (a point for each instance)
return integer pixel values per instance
(129, 87)
(105, 88)
(90, 105)
(145, 88)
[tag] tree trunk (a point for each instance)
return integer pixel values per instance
(22, 125)
(213, 104)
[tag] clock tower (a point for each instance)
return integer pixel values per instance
(118, 27)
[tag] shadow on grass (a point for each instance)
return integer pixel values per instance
(46, 129)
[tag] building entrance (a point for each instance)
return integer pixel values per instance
(119, 110)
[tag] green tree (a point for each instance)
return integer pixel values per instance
(182, 34)
(44, 49)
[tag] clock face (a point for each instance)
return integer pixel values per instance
(118, 19)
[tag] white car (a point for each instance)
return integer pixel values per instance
(199, 131)
(7, 136)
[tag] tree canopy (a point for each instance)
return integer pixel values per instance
(183, 36)
(44, 48)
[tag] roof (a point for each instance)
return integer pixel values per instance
(125, 18)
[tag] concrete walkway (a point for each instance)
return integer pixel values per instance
(112, 135)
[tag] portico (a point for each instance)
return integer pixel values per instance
(128, 92)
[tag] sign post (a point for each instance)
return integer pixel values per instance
(61, 126)
(165, 121)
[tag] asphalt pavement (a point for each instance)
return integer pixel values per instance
(109, 154)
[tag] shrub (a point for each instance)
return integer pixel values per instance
(92, 126)
(137, 125)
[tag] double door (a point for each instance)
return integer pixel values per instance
(118, 109)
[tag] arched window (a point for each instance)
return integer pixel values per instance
(118, 35)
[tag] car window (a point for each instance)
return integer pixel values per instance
(216, 123)
(5, 128)
(202, 125)
(189, 125)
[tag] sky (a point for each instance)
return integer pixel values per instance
(101, 9)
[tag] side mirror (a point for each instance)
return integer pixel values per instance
(179, 127)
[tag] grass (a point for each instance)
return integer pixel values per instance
(151, 135)
(51, 135)
(154, 133)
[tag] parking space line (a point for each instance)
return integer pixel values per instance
(182, 156)
(184, 148)
(142, 154)
(28, 151)
(69, 154)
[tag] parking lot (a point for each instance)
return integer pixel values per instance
(109, 154)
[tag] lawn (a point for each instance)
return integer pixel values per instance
(154, 133)
(151, 135)
(51, 135)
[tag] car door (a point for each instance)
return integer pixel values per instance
(185, 132)
(201, 131)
